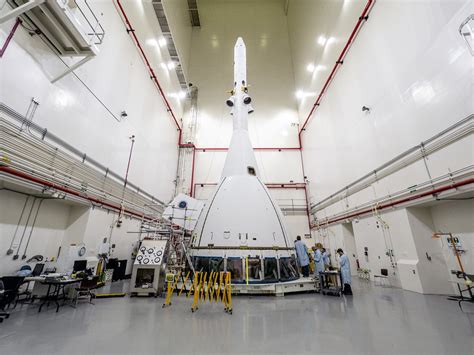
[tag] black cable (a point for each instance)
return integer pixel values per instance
(90, 90)
(30, 30)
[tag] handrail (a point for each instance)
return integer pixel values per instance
(377, 173)
(45, 134)
(27, 154)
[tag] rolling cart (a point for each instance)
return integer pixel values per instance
(330, 283)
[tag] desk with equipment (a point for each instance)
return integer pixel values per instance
(55, 286)
(52, 287)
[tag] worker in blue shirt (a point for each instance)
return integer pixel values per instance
(318, 262)
(318, 259)
(326, 258)
(345, 266)
(302, 254)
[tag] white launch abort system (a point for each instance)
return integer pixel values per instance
(241, 229)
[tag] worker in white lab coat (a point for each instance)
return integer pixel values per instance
(345, 266)
(302, 254)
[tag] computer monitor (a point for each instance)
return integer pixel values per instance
(79, 265)
(38, 269)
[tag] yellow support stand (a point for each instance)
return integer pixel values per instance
(172, 283)
(215, 286)
(184, 283)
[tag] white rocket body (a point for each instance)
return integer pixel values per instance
(240, 221)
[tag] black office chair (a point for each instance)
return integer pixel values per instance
(86, 289)
(3, 303)
(11, 285)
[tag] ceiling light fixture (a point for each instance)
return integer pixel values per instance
(310, 67)
(151, 42)
(322, 40)
(162, 41)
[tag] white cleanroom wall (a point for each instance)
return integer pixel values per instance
(117, 80)
(85, 112)
(420, 262)
(408, 64)
(434, 274)
(45, 238)
(59, 225)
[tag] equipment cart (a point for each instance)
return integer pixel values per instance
(147, 268)
(330, 283)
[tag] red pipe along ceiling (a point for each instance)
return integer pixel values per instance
(363, 17)
(69, 191)
(399, 202)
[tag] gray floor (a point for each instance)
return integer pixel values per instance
(375, 320)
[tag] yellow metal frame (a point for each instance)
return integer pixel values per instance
(214, 286)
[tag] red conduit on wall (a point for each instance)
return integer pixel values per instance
(401, 201)
(9, 38)
(130, 30)
(37, 180)
(340, 60)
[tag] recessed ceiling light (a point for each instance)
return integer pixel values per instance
(182, 94)
(162, 41)
(299, 94)
(322, 40)
(310, 67)
(151, 42)
(171, 65)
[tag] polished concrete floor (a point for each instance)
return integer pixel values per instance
(375, 320)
